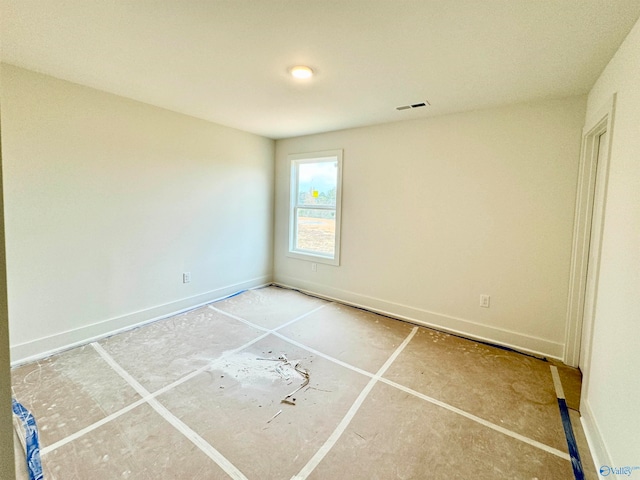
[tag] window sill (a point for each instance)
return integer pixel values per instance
(310, 257)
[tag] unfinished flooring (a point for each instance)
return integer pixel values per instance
(200, 396)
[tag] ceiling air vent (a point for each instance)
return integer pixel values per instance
(413, 105)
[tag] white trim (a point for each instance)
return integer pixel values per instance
(46, 346)
(585, 201)
(458, 326)
(595, 441)
(295, 159)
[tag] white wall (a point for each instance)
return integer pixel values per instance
(610, 405)
(108, 201)
(438, 211)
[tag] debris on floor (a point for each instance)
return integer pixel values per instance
(306, 376)
(248, 368)
(282, 373)
(278, 413)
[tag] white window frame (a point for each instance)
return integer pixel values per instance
(295, 160)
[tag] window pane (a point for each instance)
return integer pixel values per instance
(314, 222)
(317, 183)
(316, 231)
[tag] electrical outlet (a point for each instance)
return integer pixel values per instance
(186, 277)
(314, 267)
(484, 301)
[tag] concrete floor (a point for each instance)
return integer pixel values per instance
(194, 397)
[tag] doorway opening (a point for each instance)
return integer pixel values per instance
(587, 237)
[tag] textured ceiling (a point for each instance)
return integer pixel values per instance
(227, 60)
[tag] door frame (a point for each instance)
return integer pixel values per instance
(587, 232)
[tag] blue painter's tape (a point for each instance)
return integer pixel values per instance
(233, 295)
(31, 439)
(576, 463)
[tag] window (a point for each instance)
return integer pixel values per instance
(314, 216)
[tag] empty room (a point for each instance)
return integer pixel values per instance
(290, 239)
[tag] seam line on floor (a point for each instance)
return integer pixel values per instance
(166, 388)
(482, 421)
(576, 463)
(108, 418)
(265, 329)
(228, 353)
(323, 355)
(93, 426)
(344, 423)
(151, 396)
(451, 408)
(209, 365)
(229, 468)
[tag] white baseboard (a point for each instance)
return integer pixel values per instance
(458, 326)
(46, 346)
(594, 437)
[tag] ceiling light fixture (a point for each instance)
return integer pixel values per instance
(301, 71)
